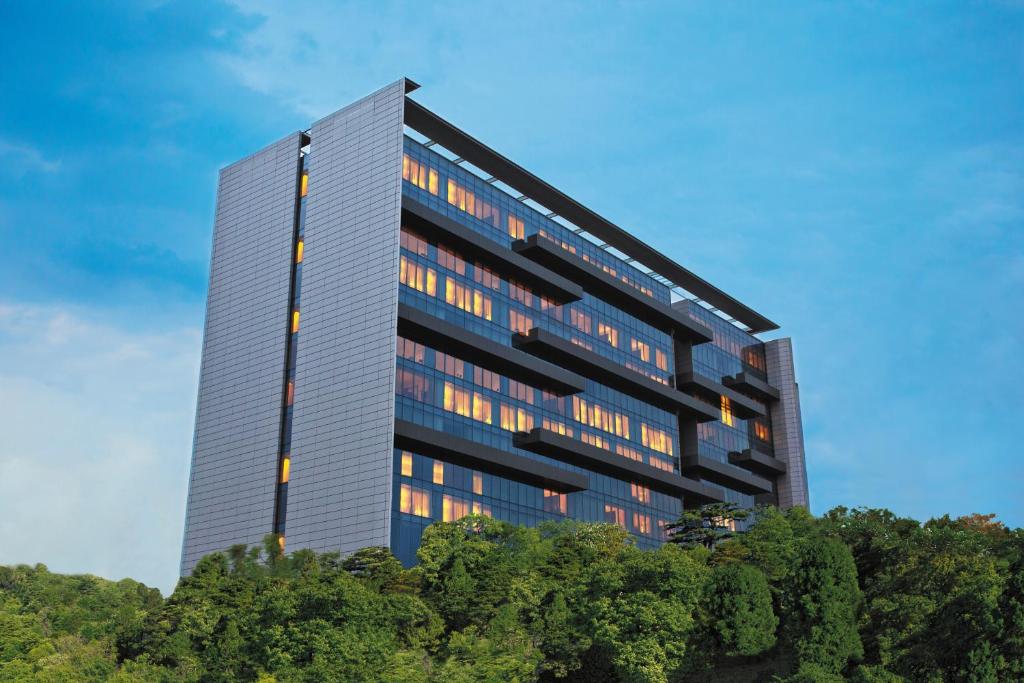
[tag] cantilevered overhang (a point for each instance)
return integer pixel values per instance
(459, 451)
(503, 260)
(725, 474)
(758, 462)
(480, 155)
(584, 455)
(452, 339)
(748, 384)
(563, 352)
(742, 406)
(611, 289)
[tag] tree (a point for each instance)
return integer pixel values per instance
(822, 625)
(707, 526)
(737, 612)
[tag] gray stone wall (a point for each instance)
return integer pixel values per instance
(787, 425)
(238, 413)
(339, 496)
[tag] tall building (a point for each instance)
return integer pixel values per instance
(404, 326)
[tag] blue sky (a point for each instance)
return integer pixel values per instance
(853, 171)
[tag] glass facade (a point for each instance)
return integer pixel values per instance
(453, 396)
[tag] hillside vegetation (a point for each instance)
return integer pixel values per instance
(856, 595)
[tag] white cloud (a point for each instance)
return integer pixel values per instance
(97, 425)
(20, 159)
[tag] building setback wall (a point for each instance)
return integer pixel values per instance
(787, 425)
(343, 426)
(238, 413)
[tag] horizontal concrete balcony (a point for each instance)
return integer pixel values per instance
(498, 257)
(698, 385)
(752, 386)
(758, 462)
(466, 453)
(724, 474)
(548, 345)
(572, 451)
(452, 339)
(612, 289)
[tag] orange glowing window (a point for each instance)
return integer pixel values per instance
(450, 260)
(286, 467)
(456, 400)
(453, 508)
(761, 431)
(556, 427)
(449, 365)
(298, 251)
(295, 321)
(641, 349)
(419, 174)
(406, 464)
(481, 408)
(515, 419)
(478, 483)
(608, 333)
(515, 227)
(414, 501)
(594, 415)
(468, 299)
(479, 509)
(641, 493)
(413, 242)
(304, 184)
(290, 394)
(518, 322)
(727, 411)
(417, 276)
(280, 543)
(642, 523)
(580, 320)
(438, 472)
(615, 515)
(556, 502)
(656, 439)
(661, 359)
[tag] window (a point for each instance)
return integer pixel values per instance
(438, 472)
(661, 359)
(449, 365)
(295, 321)
(486, 379)
(450, 260)
(592, 414)
(465, 200)
(520, 293)
(479, 509)
(556, 502)
(515, 227)
(481, 408)
(518, 322)
(412, 384)
(520, 391)
(411, 350)
(289, 397)
(298, 251)
(478, 483)
(515, 419)
(453, 508)
(556, 427)
(726, 411)
(580, 320)
(656, 439)
(595, 440)
(642, 523)
(761, 431)
(304, 184)
(641, 349)
(631, 453)
(456, 400)
(419, 174)
(467, 298)
(640, 492)
(615, 515)
(417, 276)
(413, 242)
(486, 277)
(286, 468)
(608, 333)
(406, 464)
(414, 501)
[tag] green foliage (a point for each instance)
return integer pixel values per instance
(706, 526)
(857, 595)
